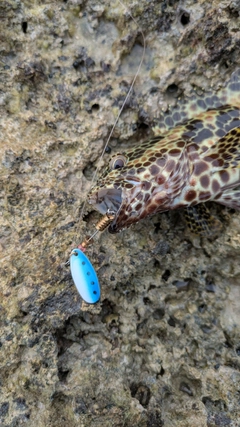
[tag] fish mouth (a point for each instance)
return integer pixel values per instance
(118, 200)
(107, 200)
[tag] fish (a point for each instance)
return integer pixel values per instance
(193, 158)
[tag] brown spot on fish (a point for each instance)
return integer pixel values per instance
(204, 195)
(139, 197)
(232, 150)
(192, 181)
(218, 162)
(138, 207)
(204, 148)
(160, 179)
(169, 121)
(146, 197)
(181, 144)
(170, 165)
(191, 148)
(174, 152)
(211, 157)
(220, 133)
(200, 167)
(221, 150)
(226, 156)
(224, 175)
(201, 104)
(146, 185)
(161, 162)
(154, 169)
(190, 195)
(215, 186)
(151, 208)
(140, 170)
(193, 107)
(204, 180)
(123, 216)
(146, 175)
(191, 127)
(131, 171)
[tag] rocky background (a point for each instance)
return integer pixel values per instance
(162, 348)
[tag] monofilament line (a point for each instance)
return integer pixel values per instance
(122, 107)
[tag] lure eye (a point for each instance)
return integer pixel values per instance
(117, 162)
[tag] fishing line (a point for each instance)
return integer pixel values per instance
(82, 271)
(121, 109)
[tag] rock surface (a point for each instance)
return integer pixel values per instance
(163, 346)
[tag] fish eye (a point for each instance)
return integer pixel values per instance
(117, 162)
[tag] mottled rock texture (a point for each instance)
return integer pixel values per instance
(163, 346)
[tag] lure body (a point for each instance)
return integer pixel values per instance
(84, 277)
(195, 158)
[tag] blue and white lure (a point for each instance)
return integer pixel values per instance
(84, 277)
(82, 271)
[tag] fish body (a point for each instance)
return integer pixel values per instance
(196, 158)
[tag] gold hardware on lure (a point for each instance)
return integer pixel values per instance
(104, 221)
(100, 226)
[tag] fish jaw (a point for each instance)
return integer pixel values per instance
(138, 204)
(127, 204)
(130, 205)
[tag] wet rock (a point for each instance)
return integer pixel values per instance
(162, 346)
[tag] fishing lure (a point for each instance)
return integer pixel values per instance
(84, 277)
(82, 271)
(194, 158)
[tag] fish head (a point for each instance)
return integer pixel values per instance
(135, 185)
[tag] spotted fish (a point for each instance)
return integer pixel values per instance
(194, 158)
